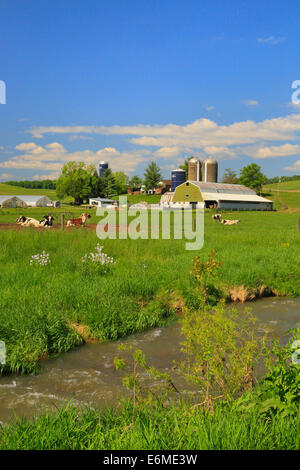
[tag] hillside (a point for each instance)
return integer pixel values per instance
(285, 186)
(17, 190)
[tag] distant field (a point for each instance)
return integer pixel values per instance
(287, 185)
(7, 189)
(283, 200)
(135, 198)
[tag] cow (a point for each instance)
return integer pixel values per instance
(47, 221)
(79, 221)
(28, 221)
(230, 222)
(217, 217)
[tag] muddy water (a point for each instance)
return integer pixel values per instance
(87, 376)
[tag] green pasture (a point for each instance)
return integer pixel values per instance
(38, 303)
(293, 185)
(7, 189)
(284, 200)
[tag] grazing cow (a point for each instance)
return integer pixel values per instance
(78, 222)
(217, 217)
(230, 222)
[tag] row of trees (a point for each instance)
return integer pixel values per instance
(45, 184)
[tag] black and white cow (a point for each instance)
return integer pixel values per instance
(47, 221)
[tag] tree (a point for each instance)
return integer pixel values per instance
(230, 176)
(77, 180)
(135, 182)
(122, 182)
(152, 176)
(252, 177)
(109, 186)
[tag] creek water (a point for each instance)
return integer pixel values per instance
(87, 377)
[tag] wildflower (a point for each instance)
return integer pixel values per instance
(40, 259)
(99, 260)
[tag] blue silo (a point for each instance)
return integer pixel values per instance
(102, 167)
(178, 177)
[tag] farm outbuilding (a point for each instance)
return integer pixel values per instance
(8, 201)
(101, 202)
(220, 196)
(34, 201)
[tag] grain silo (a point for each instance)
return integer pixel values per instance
(210, 171)
(194, 169)
(178, 177)
(102, 167)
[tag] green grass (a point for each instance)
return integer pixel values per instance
(284, 200)
(177, 427)
(7, 189)
(37, 304)
(135, 198)
(286, 185)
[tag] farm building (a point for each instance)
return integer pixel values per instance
(27, 201)
(8, 201)
(219, 196)
(100, 202)
(34, 201)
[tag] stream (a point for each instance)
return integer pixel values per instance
(87, 376)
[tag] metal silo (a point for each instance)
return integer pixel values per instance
(102, 167)
(178, 177)
(194, 167)
(210, 171)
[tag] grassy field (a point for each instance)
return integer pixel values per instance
(39, 304)
(285, 186)
(7, 189)
(284, 200)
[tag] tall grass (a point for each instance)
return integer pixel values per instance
(156, 428)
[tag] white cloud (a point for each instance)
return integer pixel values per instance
(196, 135)
(271, 40)
(171, 143)
(250, 103)
(54, 155)
(208, 107)
(6, 176)
(295, 167)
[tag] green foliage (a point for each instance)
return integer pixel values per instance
(203, 276)
(135, 182)
(78, 180)
(152, 176)
(279, 391)
(176, 427)
(221, 349)
(230, 176)
(121, 182)
(252, 177)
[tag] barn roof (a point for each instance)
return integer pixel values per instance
(5, 198)
(223, 188)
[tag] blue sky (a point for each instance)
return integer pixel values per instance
(133, 81)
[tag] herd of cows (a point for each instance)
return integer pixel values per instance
(47, 221)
